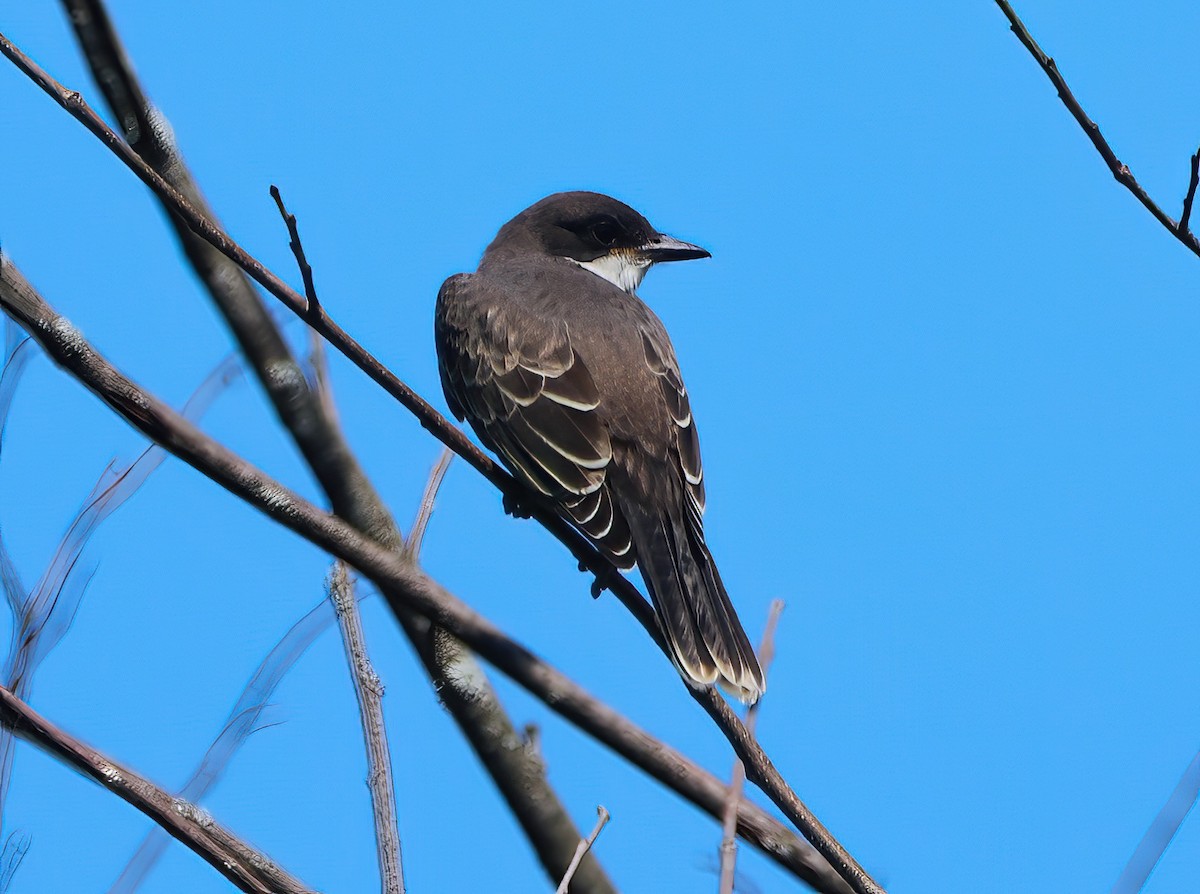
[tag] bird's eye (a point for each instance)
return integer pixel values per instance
(605, 231)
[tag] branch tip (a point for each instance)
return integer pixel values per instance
(312, 309)
(1120, 171)
(1188, 199)
(584, 846)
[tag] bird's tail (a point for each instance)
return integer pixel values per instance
(706, 638)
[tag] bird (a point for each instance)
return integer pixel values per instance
(564, 373)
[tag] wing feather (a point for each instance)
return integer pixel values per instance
(661, 361)
(531, 398)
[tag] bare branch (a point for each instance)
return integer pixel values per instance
(1161, 832)
(46, 613)
(248, 869)
(584, 846)
(1120, 171)
(316, 356)
(728, 850)
(408, 589)
(417, 535)
(18, 351)
(297, 247)
(369, 691)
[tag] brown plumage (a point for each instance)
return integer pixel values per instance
(573, 382)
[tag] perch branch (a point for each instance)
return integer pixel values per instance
(766, 654)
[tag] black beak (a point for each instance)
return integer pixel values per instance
(663, 248)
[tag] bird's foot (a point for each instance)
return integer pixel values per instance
(514, 507)
(603, 581)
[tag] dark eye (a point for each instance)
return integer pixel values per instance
(605, 231)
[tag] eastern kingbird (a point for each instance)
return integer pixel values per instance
(571, 379)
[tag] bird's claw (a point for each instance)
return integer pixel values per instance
(603, 580)
(514, 507)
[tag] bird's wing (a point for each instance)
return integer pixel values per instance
(697, 617)
(529, 396)
(661, 359)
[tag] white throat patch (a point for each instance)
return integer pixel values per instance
(623, 270)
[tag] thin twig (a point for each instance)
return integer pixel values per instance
(316, 356)
(297, 247)
(409, 590)
(1193, 181)
(368, 689)
(728, 850)
(318, 362)
(1120, 171)
(417, 535)
(250, 870)
(1161, 832)
(584, 846)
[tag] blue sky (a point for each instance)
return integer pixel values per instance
(945, 373)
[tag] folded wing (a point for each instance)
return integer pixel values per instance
(530, 397)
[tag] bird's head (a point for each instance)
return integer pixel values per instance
(595, 231)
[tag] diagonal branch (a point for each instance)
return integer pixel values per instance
(728, 849)
(311, 419)
(416, 534)
(1178, 229)
(409, 589)
(584, 846)
(246, 868)
(1161, 832)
